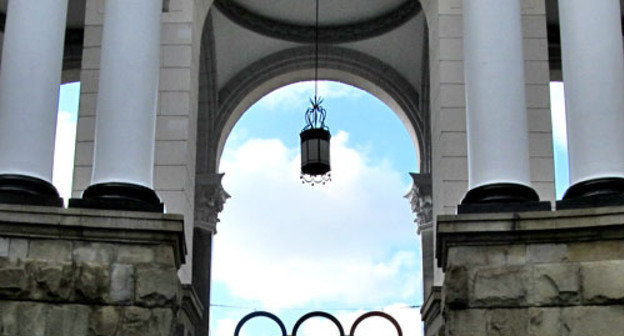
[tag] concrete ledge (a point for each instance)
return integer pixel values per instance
(18, 221)
(592, 224)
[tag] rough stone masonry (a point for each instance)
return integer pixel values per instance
(89, 273)
(540, 274)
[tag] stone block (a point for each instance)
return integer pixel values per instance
(18, 248)
(135, 255)
(8, 317)
(4, 247)
(172, 128)
(13, 278)
(105, 321)
(506, 322)
(163, 322)
(163, 255)
(540, 144)
(92, 281)
(135, 321)
(556, 284)
(547, 253)
(174, 103)
(536, 49)
(597, 251)
(31, 319)
(176, 56)
(122, 283)
(452, 95)
(170, 177)
(157, 286)
(51, 280)
(544, 321)
(465, 322)
(170, 152)
(602, 282)
(51, 250)
(583, 321)
(62, 320)
(501, 286)
(455, 289)
(175, 79)
(487, 322)
(451, 49)
(93, 252)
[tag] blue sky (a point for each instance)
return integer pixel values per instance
(65, 138)
(291, 248)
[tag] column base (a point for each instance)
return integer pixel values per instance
(118, 196)
(28, 190)
(502, 197)
(593, 193)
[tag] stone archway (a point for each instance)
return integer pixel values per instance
(222, 102)
(220, 107)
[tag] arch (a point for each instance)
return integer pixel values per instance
(317, 314)
(378, 314)
(248, 317)
(337, 64)
(328, 33)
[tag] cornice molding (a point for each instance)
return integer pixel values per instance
(328, 34)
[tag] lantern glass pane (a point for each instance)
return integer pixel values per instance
(314, 149)
(304, 152)
(324, 151)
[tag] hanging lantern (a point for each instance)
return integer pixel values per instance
(315, 137)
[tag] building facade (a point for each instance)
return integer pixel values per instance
(163, 84)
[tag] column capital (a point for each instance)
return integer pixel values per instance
(209, 200)
(420, 197)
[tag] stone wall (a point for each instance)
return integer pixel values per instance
(84, 272)
(550, 273)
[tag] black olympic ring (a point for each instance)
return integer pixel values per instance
(260, 313)
(318, 314)
(379, 314)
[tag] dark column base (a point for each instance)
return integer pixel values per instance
(27, 190)
(501, 197)
(593, 193)
(118, 196)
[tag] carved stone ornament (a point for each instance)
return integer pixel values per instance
(209, 200)
(421, 202)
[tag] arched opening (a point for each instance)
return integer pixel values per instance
(240, 63)
(348, 246)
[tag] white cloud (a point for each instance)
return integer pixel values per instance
(285, 244)
(64, 153)
(291, 94)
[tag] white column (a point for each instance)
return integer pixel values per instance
(593, 73)
(127, 95)
(32, 61)
(498, 150)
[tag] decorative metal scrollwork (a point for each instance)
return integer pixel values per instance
(328, 316)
